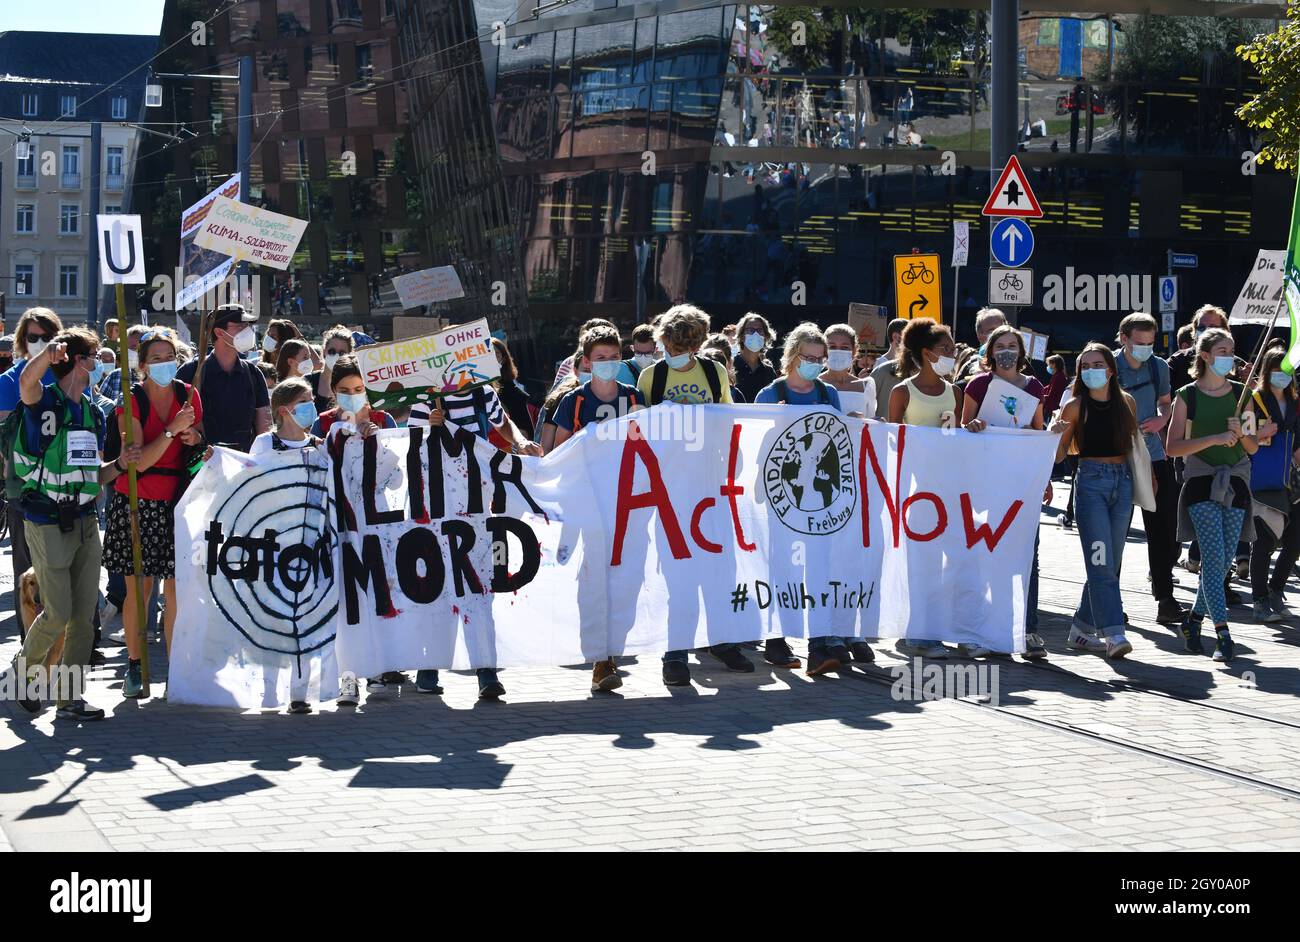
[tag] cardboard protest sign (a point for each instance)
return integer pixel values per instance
(202, 269)
(404, 372)
(428, 287)
(870, 322)
(429, 548)
(1262, 292)
(250, 233)
(1006, 405)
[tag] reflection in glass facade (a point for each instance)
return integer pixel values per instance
(776, 163)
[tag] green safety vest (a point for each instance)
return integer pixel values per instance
(66, 465)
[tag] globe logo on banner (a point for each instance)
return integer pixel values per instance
(809, 474)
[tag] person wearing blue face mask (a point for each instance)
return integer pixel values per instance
(1215, 504)
(1145, 377)
(754, 335)
(1277, 524)
(804, 360)
(1100, 424)
(293, 413)
(166, 416)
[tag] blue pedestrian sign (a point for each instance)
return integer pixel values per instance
(1011, 242)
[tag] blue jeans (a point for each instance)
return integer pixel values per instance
(1103, 506)
(1031, 607)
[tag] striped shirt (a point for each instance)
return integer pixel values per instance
(464, 411)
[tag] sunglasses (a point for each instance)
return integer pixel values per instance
(36, 338)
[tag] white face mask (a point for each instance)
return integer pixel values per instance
(945, 365)
(304, 367)
(132, 359)
(245, 340)
(330, 360)
(36, 349)
(268, 344)
(643, 360)
(839, 359)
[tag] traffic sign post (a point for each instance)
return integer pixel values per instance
(917, 287)
(1011, 287)
(1013, 196)
(1011, 242)
(1168, 294)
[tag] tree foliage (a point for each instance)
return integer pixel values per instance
(1275, 111)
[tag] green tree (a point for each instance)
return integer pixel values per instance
(1275, 111)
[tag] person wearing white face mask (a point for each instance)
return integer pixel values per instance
(295, 359)
(1145, 377)
(1215, 505)
(644, 350)
(857, 394)
(239, 405)
(753, 372)
(336, 343)
(1277, 523)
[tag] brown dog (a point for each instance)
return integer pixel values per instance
(29, 602)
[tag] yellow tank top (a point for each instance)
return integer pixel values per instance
(928, 410)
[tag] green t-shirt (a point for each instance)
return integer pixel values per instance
(1212, 414)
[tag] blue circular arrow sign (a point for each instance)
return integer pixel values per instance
(1011, 242)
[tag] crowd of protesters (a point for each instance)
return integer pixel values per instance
(1209, 462)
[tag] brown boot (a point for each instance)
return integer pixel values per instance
(604, 676)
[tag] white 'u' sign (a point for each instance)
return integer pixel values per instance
(121, 250)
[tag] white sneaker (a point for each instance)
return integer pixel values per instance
(1116, 647)
(972, 650)
(348, 692)
(921, 648)
(1083, 641)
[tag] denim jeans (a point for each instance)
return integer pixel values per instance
(1103, 506)
(1031, 606)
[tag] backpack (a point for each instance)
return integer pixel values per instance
(1190, 399)
(783, 392)
(659, 379)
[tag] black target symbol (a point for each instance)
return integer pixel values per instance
(291, 612)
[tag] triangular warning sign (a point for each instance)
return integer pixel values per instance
(1013, 196)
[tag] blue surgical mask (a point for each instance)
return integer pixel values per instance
(353, 403)
(644, 360)
(584, 377)
(1051, 372)
(1222, 366)
(1142, 352)
(983, 347)
(1095, 378)
(606, 369)
(163, 373)
(755, 342)
(678, 361)
(304, 413)
(1279, 379)
(98, 373)
(808, 370)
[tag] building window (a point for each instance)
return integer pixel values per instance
(26, 221)
(24, 280)
(68, 106)
(71, 165)
(68, 280)
(27, 167)
(112, 209)
(69, 219)
(113, 179)
(365, 64)
(119, 107)
(31, 104)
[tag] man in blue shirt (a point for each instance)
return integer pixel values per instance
(1145, 377)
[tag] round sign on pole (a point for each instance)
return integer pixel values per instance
(1011, 242)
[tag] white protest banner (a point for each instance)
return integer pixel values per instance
(1262, 292)
(427, 287)
(206, 268)
(856, 403)
(960, 242)
(249, 233)
(1006, 405)
(255, 577)
(679, 527)
(121, 249)
(417, 369)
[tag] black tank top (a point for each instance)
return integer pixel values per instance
(1097, 436)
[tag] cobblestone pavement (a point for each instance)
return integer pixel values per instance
(1162, 751)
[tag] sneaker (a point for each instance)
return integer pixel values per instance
(118, 637)
(79, 710)
(1169, 612)
(300, 706)
(30, 704)
(1192, 565)
(604, 677)
(133, 685)
(972, 650)
(489, 688)
(107, 612)
(1190, 629)
(1277, 602)
(921, 648)
(1116, 647)
(862, 653)
(677, 674)
(824, 661)
(375, 687)
(776, 651)
(426, 681)
(735, 661)
(1065, 522)
(348, 693)
(1082, 640)
(1264, 611)
(1035, 648)
(1224, 649)
(394, 677)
